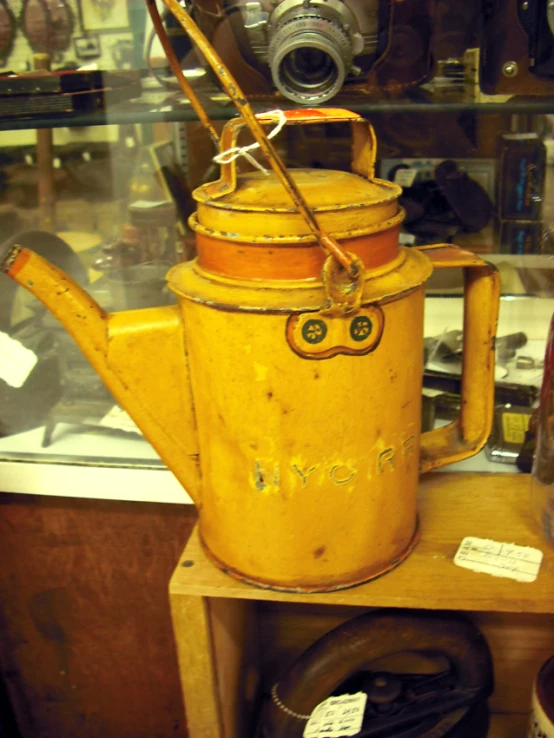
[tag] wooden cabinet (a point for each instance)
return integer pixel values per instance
(234, 640)
(86, 647)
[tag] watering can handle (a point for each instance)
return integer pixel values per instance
(364, 144)
(469, 432)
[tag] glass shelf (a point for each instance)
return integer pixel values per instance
(100, 177)
(157, 104)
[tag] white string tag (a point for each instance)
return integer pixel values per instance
(226, 157)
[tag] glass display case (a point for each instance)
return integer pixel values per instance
(97, 168)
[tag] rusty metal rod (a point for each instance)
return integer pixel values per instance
(229, 84)
(178, 72)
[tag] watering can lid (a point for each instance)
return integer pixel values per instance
(324, 189)
(346, 206)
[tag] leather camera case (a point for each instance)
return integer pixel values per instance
(504, 40)
(457, 28)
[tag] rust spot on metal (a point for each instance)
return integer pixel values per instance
(316, 374)
(319, 552)
(270, 395)
(259, 476)
(11, 256)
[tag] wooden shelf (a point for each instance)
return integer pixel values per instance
(451, 507)
(235, 640)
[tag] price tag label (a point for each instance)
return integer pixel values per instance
(118, 419)
(405, 177)
(521, 563)
(337, 716)
(514, 426)
(16, 361)
(430, 392)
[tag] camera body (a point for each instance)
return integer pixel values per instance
(308, 50)
(517, 48)
(311, 50)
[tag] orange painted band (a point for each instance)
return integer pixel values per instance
(289, 261)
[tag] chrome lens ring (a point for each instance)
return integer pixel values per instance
(309, 58)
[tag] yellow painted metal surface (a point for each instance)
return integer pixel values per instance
(330, 189)
(310, 458)
(290, 408)
(309, 465)
(140, 355)
(469, 432)
(346, 203)
(310, 468)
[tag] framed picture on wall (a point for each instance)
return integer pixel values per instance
(104, 15)
(87, 47)
(47, 25)
(8, 30)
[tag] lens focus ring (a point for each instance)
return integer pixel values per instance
(309, 59)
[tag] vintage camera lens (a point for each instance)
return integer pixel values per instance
(308, 69)
(309, 59)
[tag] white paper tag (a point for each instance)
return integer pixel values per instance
(148, 204)
(521, 563)
(337, 716)
(405, 177)
(16, 361)
(120, 420)
(406, 239)
(430, 392)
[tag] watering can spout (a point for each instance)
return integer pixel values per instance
(140, 355)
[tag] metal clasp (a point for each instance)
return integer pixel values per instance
(344, 292)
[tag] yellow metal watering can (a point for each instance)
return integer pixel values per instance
(284, 389)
